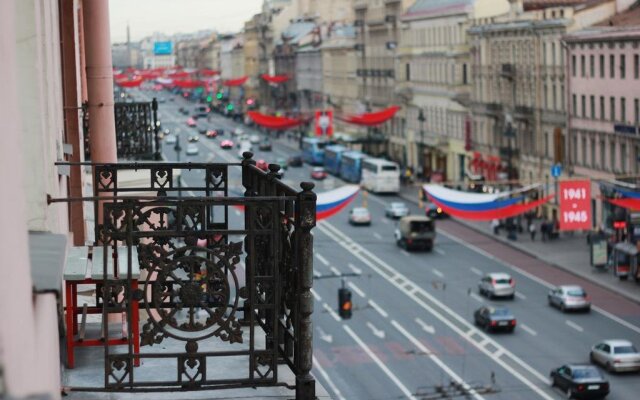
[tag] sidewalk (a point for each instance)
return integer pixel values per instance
(570, 252)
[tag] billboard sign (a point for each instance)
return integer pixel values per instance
(324, 122)
(162, 48)
(575, 205)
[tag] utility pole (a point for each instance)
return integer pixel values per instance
(421, 120)
(178, 149)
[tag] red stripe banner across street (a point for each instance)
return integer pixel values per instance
(372, 119)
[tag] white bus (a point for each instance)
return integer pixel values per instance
(380, 176)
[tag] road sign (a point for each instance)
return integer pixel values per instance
(556, 170)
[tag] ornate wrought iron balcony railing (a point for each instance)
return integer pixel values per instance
(190, 255)
(137, 128)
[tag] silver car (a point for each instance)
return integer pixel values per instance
(569, 297)
(396, 210)
(616, 355)
(192, 150)
(497, 284)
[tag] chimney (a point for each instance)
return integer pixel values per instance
(516, 8)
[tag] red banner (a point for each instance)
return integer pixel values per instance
(575, 205)
(324, 122)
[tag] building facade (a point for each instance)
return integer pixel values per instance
(434, 84)
(603, 85)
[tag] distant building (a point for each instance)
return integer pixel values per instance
(157, 51)
(603, 87)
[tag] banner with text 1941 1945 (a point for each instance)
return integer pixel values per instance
(575, 205)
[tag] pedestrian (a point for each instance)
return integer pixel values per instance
(543, 230)
(495, 225)
(532, 231)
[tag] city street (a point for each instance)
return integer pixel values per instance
(412, 330)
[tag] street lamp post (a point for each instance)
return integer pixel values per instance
(178, 149)
(421, 120)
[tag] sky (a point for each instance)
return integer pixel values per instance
(173, 16)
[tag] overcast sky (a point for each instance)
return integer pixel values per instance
(173, 16)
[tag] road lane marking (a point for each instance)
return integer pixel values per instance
(574, 325)
(377, 200)
(331, 312)
(378, 308)
(335, 271)
(435, 359)
(322, 259)
(356, 289)
(422, 298)
(355, 269)
(437, 273)
(476, 271)
(521, 296)
(327, 379)
(380, 364)
(316, 295)
(476, 296)
(527, 329)
(324, 336)
(378, 332)
(425, 327)
(406, 253)
(377, 235)
(439, 251)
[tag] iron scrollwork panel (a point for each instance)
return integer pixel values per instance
(135, 125)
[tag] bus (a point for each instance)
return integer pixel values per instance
(380, 176)
(332, 158)
(351, 166)
(313, 150)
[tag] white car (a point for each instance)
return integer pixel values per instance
(616, 355)
(237, 132)
(360, 216)
(170, 139)
(569, 297)
(192, 150)
(497, 284)
(396, 209)
(255, 139)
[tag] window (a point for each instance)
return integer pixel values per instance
(612, 66)
(584, 106)
(623, 66)
(623, 157)
(408, 71)
(582, 67)
(623, 109)
(602, 108)
(601, 66)
(553, 54)
(544, 53)
(573, 65)
(592, 65)
(584, 151)
(636, 66)
(592, 161)
(602, 153)
(562, 97)
(575, 105)
(592, 101)
(555, 97)
(546, 96)
(464, 74)
(636, 108)
(612, 159)
(546, 144)
(612, 109)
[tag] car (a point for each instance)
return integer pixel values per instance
(211, 134)
(359, 216)
(183, 111)
(569, 297)
(295, 160)
(255, 139)
(237, 132)
(166, 131)
(226, 144)
(191, 150)
(432, 210)
(201, 112)
(580, 381)
(202, 131)
(497, 284)
(318, 173)
(262, 164)
(396, 209)
(220, 131)
(170, 139)
(193, 138)
(265, 145)
(191, 122)
(616, 355)
(494, 318)
(415, 232)
(283, 164)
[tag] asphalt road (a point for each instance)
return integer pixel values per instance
(412, 329)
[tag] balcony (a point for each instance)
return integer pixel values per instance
(225, 301)
(137, 129)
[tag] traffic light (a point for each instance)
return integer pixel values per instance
(209, 98)
(344, 303)
(229, 107)
(219, 96)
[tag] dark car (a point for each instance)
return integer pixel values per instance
(580, 381)
(494, 319)
(433, 211)
(202, 131)
(265, 145)
(295, 161)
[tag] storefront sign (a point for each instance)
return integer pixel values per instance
(575, 205)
